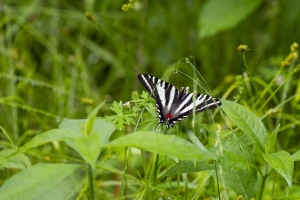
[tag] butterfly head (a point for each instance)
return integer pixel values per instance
(168, 118)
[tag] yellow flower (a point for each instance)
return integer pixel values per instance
(242, 48)
(125, 7)
(90, 17)
(292, 56)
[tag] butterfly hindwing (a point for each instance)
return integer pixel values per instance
(174, 105)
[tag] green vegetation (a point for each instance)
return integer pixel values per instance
(75, 122)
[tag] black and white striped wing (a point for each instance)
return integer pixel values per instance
(185, 105)
(163, 92)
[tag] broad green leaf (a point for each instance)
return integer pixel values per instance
(101, 127)
(89, 147)
(242, 182)
(219, 15)
(162, 144)
(247, 121)
(283, 163)
(45, 181)
(296, 156)
(229, 162)
(233, 162)
(49, 136)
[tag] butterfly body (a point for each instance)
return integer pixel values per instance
(174, 105)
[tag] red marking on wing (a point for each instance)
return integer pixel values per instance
(169, 116)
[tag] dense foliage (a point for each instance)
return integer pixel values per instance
(75, 122)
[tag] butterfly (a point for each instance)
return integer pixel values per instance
(174, 105)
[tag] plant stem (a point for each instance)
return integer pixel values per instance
(91, 181)
(217, 179)
(264, 177)
(250, 75)
(178, 179)
(262, 188)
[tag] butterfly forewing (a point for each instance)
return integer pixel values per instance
(174, 105)
(163, 93)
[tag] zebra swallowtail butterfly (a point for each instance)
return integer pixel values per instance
(174, 105)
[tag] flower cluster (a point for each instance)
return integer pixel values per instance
(292, 56)
(126, 7)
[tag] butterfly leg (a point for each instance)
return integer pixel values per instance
(157, 126)
(168, 126)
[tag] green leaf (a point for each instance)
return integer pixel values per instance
(229, 162)
(242, 182)
(247, 121)
(89, 147)
(20, 161)
(219, 15)
(101, 127)
(45, 181)
(233, 162)
(272, 140)
(162, 144)
(90, 120)
(283, 163)
(296, 156)
(123, 115)
(49, 136)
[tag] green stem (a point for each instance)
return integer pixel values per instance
(11, 89)
(285, 90)
(91, 181)
(178, 179)
(217, 179)
(264, 178)
(123, 187)
(268, 87)
(262, 188)
(250, 75)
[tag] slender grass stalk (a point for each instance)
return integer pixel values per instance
(146, 179)
(285, 90)
(186, 185)
(266, 89)
(127, 55)
(124, 184)
(127, 150)
(217, 179)
(250, 75)
(11, 89)
(155, 169)
(178, 179)
(277, 89)
(8, 137)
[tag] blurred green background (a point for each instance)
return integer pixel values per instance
(61, 58)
